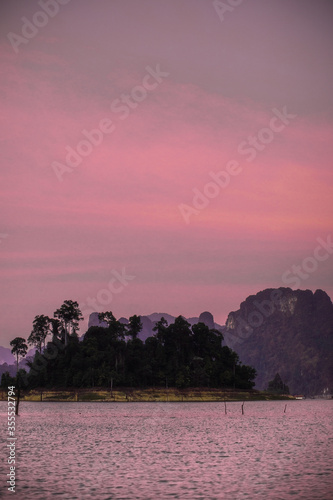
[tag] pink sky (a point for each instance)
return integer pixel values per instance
(120, 207)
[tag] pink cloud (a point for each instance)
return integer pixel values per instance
(120, 206)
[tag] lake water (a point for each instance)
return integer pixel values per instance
(171, 450)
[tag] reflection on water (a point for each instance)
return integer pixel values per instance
(172, 450)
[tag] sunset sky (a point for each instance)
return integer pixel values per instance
(182, 89)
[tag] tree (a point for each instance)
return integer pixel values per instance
(136, 371)
(180, 334)
(206, 342)
(7, 380)
(134, 326)
(116, 328)
(56, 328)
(41, 329)
(276, 385)
(20, 348)
(161, 328)
(69, 315)
(108, 317)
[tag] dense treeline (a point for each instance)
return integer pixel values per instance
(178, 355)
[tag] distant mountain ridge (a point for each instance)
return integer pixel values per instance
(277, 330)
(6, 356)
(149, 321)
(8, 361)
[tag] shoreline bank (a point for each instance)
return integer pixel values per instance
(148, 395)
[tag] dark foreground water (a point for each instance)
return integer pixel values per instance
(171, 450)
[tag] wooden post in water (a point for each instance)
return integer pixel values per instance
(243, 409)
(225, 407)
(285, 409)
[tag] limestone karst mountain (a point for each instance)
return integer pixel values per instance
(276, 331)
(289, 332)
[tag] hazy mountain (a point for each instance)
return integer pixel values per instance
(155, 317)
(6, 356)
(149, 322)
(11, 366)
(94, 320)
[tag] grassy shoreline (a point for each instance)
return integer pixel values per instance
(159, 394)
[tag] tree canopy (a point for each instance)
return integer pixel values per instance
(276, 385)
(176, 355)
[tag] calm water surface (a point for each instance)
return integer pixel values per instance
(171, 450)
